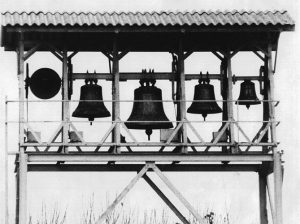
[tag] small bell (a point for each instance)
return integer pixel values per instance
(247, 94)
(93, 106)
(204, 91)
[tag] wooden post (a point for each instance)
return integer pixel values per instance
(20, 55)
(65, 104)
(6, 163)
(181, 94)
(116, 96)
(224, 87)
(277, 156)
(263, 198)
(21, 183)
(229, 102)
(22, 188)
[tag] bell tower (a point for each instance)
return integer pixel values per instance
(115, 35)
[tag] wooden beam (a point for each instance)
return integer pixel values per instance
(65, 103)
(22, 188)
(116, 96)
(144, 157)
(230, 102)
(136, 167)
(262, 180)
(177, 193)
(156, 75)
(181, 94)
(165, 199)
(30, 52)
(122, 194)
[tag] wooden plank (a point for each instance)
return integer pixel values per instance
(148, 144)
(144, 157)
(177, 193)
(136, 167)
(262, 180)
(165, 199)
(122, 194)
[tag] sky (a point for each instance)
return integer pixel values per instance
(235, 192)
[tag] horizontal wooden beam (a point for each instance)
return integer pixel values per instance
(124, 76)
(144, 157)
(137, 167)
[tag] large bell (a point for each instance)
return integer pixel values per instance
(247, 94)
(148, 107)
(93, 106)
(204, 91)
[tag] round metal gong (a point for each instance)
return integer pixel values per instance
(45, 83)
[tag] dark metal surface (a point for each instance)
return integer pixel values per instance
(91, 109)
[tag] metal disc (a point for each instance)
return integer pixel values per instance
(45, 83)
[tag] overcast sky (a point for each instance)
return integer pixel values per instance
(235, 192)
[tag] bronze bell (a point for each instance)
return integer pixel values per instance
(204, 91)
(247, 94)
(91, 109)
(148, 107)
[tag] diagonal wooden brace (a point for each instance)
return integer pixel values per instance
(242, 131)
(105, 136)
(54, 136)
(194, 130)
(216, 140)
(123, 194)
(172, 135)
(177, 193)
(165, 199)
(129, 132)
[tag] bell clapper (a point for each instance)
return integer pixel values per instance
(148, 132)
(91, 119)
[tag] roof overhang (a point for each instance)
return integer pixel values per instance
(199, 31)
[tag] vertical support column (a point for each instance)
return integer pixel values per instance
(116, 96)
(181, 94)
(6, 162)
(21, 88)
(22, 188)
(263, 198)
(21, 182)
(265, 104)
(65, 104)
(224, 87)
(276, 154)
(229, 101)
